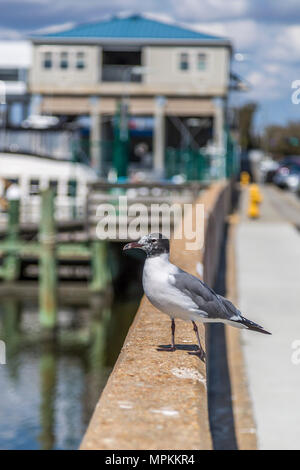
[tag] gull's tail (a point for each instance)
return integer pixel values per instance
(250, 325)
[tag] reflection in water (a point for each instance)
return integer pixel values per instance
(49, 389)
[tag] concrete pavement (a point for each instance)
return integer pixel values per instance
(268, 264)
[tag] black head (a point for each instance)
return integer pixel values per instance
(153, 244)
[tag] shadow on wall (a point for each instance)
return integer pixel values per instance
(219, 388)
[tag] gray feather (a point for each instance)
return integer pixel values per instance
(204, 297)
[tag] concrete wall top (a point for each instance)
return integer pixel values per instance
(158, 400)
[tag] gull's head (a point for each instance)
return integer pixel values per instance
(154, 244)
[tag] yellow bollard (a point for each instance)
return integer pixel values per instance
(245, 178)
(255, 199)
(255, 193)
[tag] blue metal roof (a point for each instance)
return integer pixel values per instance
(132, 27)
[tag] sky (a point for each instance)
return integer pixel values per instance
(266, 33)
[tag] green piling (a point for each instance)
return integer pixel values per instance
(11, 264)
(121, 141)
(47, 391)
(99, 327)
(11, 317)
(98, 338)
(100, 268)
(47, 263)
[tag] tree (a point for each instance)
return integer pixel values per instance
(282, 140)
(246, 114)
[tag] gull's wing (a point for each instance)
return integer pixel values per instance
(215, 306)
(230, 307)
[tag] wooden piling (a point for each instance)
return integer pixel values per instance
(47, 263)
(11, 265)
(100, 268)
(11, 317)
(47, 392)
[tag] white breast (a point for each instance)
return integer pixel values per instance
(158, 272)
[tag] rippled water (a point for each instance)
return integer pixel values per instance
(49, 388)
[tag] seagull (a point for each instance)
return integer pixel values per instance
(182, 295)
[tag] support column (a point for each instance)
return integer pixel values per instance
(159, 143)
(11, 265)
(96, 135)
(47, 263)
(121, 140)
(219, 138)
(218, 128)
(36, 105)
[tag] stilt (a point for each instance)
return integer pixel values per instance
(47, 263)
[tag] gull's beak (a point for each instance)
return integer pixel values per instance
(131, 245)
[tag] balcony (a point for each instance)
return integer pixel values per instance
(121, 73)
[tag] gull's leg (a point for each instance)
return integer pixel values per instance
(200, 351)
(172, 347)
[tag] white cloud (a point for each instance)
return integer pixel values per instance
(287, 45)
(6, 33)
(56, 28)
(209, 10)
(244, 33)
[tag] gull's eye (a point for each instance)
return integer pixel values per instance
(153, 240)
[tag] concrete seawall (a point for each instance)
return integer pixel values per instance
(158, 400)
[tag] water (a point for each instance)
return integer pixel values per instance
(49, 389)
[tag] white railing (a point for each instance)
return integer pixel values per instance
(54, 143)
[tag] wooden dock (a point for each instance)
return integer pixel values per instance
(48, 243)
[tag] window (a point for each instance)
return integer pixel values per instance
(184, 61)
(80, 60)
(13, 180)
(53, 185)
(9, 75)
(201, 61)
(34, 187)
(72, 188)
(64, 63)
(119, 65)
(47, 60)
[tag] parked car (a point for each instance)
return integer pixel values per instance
(293, 179)
(36, 121)
(268, 168)
(288, 177)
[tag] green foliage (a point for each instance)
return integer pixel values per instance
(245, 125)
(282, 140)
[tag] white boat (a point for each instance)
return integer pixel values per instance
(33, 174)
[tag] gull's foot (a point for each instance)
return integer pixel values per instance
(166, 348)
(199, 353)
